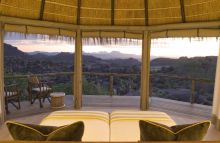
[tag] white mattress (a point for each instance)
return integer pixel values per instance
(124, 125)
(96, 123)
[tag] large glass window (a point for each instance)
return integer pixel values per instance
(111, 72)
(49, 59)
(183, 69)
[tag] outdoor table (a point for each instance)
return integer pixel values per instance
(57, 99)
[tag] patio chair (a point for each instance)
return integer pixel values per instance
(12, 95)
(38, 90)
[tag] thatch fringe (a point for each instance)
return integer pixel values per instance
(39, 36)
(85, 41)
(98, 40)
(111, 41)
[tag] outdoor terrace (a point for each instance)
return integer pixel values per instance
(109, 103)
(112, 98)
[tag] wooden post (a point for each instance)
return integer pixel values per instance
(150, 88)
(78, 71)
(145, 71)
(111, 85)
(2, 99)
(192, 97)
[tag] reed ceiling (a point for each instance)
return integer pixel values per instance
(113, 12)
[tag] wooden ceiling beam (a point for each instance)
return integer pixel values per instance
(41, 14)
(112, 12)
(78, 12)
(182, 8)
(146, 12)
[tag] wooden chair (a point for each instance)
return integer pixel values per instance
(12, 95)
(38, 90)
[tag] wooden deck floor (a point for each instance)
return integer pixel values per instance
(116, 102)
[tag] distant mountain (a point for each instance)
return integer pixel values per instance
(38, 56)
(43, 53)
(102, 55)
(62, 57)
(113, 55)
(117, 55)
(124, 62)
(163, 62)
(11, 51)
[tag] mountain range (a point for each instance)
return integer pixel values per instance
(113, 55)
(102, 55)
(44, 53)
(63, 62)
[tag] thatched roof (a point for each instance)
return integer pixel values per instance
(112, 12)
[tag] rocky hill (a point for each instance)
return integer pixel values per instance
(28, 63)
(197, 67)
(11, 51)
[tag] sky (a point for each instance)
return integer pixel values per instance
(166, 47)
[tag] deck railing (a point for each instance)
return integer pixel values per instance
(112, 76)
(193, 81)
